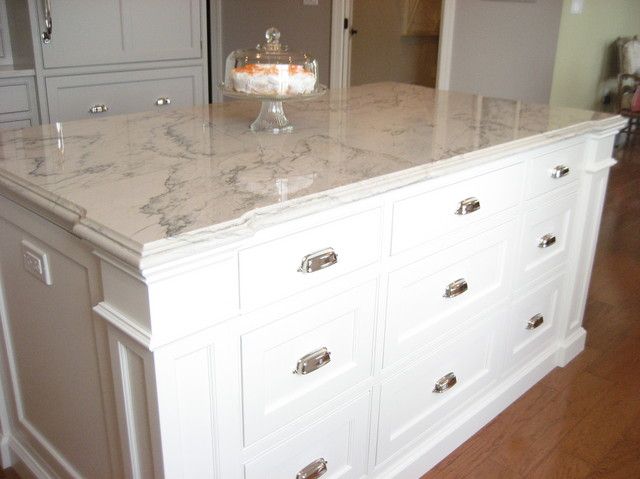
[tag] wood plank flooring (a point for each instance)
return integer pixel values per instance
(581, 421)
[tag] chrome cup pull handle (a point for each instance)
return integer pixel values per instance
(468, 205)
(445, 383)
(535, 322)
(163, 100)
(559, 171)
(47, 33)
(313, 361)
(456, 288)
(319, 260)
(313, 470)
(98, 109)
(547, 240)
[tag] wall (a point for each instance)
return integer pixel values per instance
(306, 28)
(380, 53)
(505, 48)
(580, 80)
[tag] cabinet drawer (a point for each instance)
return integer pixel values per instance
(271, 271)
(409, 403)
(276, 390)
(427, 216)
(419, 312)
(14, 98)
(14, 124)
(341, 440)
(74, 97)
(545, 238)
(532, 322)
(553, 170)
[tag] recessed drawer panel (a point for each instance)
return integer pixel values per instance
(532, 321)
(336, 448)
(427, 216)
(288, 265)
(422, 397)
(14, 98)
(432, 296)
(303, 360)
(97, 95)
(553, 170)
(15, 124)
(545, 237)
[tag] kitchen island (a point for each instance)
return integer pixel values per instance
(182, 297)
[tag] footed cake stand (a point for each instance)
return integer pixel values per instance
(271, 117)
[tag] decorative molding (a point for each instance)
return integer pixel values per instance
(124, 324)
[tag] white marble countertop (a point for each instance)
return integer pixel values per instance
(146, 183)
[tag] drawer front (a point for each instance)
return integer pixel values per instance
(533, 322)
(97, 95)
(427, 216)
(271, 271)
(14, 98)
(410, 405)
(283, 378)
(420, 310)
(341, 440)
(545, 238)
(553, 170)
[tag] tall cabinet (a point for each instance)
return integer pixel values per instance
(93, 58)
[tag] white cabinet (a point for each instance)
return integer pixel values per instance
(369, 339)
(18, 102)
(102, 32)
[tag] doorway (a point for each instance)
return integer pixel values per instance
(392, 40)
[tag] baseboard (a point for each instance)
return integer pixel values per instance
(571, 347)
(425, 456)
(6, 457)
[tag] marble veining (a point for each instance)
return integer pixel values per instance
(150, 180)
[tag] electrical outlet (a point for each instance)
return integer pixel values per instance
(36, 262)
(312, 3)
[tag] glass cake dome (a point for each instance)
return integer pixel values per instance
(271, 70)
(273, 74)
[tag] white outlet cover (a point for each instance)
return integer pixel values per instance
(36, 262)
(313, 3)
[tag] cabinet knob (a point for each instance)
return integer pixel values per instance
(98, 109)
(313, 361)
(559, 171)
(319, 260)
(314, 470)
(535, 321)
(456, 288)
(445, 383)
(547, 240)
(163, 100)
(468, 205)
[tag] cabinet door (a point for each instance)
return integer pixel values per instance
(98, 32)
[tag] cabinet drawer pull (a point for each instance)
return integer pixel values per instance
(456, 288)
(318, 260)
(47, 33)
(445, 383)
(312, 361)
(98, 109)
(560, 171)
(535, 321)
(468, 205)
(314, 470)
(547, 240)
(163, 100)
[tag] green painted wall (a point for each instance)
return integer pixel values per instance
(586, 61)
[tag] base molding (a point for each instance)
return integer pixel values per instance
(570, 347)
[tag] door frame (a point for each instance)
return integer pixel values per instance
(342, 10)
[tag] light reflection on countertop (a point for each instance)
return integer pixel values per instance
(149, 177)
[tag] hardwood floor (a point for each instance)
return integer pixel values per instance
(581, 421)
